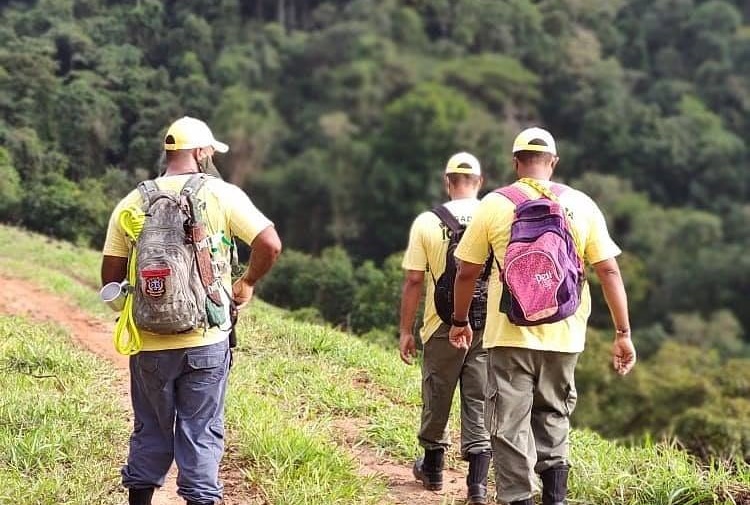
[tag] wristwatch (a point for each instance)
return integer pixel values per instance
(459, 324)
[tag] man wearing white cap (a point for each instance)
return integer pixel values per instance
(429, 254)
(541, 233)
(179, 373)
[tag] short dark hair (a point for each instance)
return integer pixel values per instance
(461, 179)
(174, 154)
(533, 156)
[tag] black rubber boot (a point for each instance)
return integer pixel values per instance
(476, 481)
(140, 496)
(429, 469)
(555, 485)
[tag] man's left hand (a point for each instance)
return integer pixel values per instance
(242, 292)
(623, 354)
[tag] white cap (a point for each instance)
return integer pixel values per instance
(535, 139)
(463, 163)
(190, 133)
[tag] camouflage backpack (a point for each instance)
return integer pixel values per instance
(175, 290)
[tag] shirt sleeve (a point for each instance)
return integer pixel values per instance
(474, 246)
(244, 218)
(599, 245)
(415, 257)
(116, 243)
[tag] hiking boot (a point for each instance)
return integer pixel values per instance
(555, 485)
(140, 496)
(429, 469)
(476, 481)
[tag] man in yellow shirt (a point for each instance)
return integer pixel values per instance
(530, 386)
(444, 366)
(178, 381)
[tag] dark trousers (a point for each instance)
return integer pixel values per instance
(445, 367)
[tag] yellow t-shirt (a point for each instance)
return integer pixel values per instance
(490, 228)
(228, 211)
(428, 244)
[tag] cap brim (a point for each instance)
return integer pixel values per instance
(536, 148)
(220, 146)
(469, 171)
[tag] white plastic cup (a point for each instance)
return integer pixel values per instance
(114, 294)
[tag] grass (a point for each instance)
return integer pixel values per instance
(292, 387)
(61, 425)
(60, 267)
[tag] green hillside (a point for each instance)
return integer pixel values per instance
(341, 114)
(293, 387)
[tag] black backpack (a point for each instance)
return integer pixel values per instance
(444, 284)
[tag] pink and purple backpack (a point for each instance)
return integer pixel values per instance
(543, 272)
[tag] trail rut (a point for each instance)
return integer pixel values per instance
(23, 298)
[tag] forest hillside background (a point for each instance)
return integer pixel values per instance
(341, 114)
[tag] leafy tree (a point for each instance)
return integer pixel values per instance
(302, 270)
(498, 81)
(251, 126)
(376, 302)
(721, 332)
(335, 286)
(88, 127)
(10, 189)
(419, 134)
(50, 205)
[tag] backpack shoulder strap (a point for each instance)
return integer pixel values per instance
(487, 271)
(189, 195)
(514, 194)
(193, 184)
(558, 189)
(447, 217)
(147, 189)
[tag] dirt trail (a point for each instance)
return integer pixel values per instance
(23, 298)
(403, 489)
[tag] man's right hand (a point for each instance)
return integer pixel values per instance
(407, 348)
(461, 336)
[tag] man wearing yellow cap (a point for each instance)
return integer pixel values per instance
(530, 385)
(444, 366)
(178, 379)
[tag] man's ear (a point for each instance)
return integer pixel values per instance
(554, 161)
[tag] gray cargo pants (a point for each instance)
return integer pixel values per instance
(443, 368)
(178, 406)
(530, 396)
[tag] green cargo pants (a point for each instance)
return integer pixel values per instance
(443, 368)
(530, 396)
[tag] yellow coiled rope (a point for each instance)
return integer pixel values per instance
(131, 221)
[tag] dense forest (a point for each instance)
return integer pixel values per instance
(340, 115)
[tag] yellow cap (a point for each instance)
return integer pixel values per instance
(190, 133)
(463, 163)
(535, 139)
